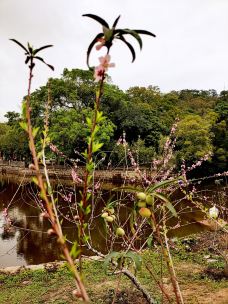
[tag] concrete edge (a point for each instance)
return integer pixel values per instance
(50, 266)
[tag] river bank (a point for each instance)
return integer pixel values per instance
(63, 172)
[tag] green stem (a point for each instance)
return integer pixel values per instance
(87, 172)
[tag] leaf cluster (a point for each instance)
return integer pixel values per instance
(109, 34)
(31, 54)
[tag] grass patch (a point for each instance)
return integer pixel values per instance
(43, 286)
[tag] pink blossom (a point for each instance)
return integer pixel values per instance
(5, 213)
(102, 67)
(53, 148)
(121, 141)
(99, 73)
(101, 44)
(68, 198)
(75, 177)
(6, 216)
(105, 62)
(97, 186)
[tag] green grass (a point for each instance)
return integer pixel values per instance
(42, 286)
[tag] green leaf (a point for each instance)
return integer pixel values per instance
(132, 33)
(94, 41)
(39, 155)
(96, 146)
(167, 204)
(97, 18)
(149, 241)
(161, 196)
(171, 208)
(129, 46)
(90, 167)
(35, 131)
(100, 116)
(21, 45)
(144, 32)
(135, 258)
(42, 48)
(74, 252)
(24, 125)
(89, 122)
(30, 49)
(109, 258)
(41, 59)
(88, 210)
(129, 189)
(86, 238)
(35, 180)
(161, 185)
(108, 33)
(116, 21)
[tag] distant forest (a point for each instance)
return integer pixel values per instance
(143, 115)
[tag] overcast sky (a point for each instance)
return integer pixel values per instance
(190, 51)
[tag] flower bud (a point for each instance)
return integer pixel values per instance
(32, 167)
(77, 294)
(213, 212)
(50, 231)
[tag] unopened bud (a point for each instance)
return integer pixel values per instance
(44, 214)
(77, 294)
(32, 167)
(50, 231)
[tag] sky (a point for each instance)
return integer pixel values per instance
(189, 52)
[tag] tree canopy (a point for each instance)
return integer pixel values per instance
(145, 114)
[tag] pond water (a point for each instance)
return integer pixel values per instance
(26, 241)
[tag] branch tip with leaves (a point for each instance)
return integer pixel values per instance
(108, 35)
(30, 53)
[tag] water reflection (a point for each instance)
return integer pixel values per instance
(26, 241)
(20, 242)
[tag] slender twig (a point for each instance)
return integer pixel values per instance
(167, 257)
(81, 292)
(160, 285)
